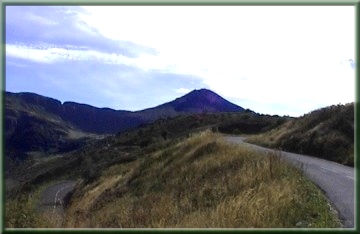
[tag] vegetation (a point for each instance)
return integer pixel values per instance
(173, 174)
(327, 133)
(90, 160)
(250, 123)
(180, 126)
(200, 182)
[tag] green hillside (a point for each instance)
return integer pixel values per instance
(326, 133)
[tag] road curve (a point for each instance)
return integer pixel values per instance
(53, 196)
(336, 180)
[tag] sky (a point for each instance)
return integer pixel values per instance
(284, 60)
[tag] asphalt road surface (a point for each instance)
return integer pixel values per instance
(336, 180)
(52, 198)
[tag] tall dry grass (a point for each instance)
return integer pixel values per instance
(202, 182)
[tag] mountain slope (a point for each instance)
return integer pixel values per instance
(33, 132)
(327, 133)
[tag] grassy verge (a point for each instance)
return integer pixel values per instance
(201, 182)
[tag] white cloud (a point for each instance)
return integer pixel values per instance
(257, 42)
(53, 54)
(182, 90)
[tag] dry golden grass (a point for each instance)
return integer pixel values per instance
(202, 182)
(91, 195)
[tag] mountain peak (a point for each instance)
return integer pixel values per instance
(202, 91)
(203, 100)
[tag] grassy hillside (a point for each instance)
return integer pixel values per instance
(327, 133)
(89, 161)
(167, 174)
(200, 182)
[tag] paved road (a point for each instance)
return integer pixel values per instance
(53, 196)
(336, 180)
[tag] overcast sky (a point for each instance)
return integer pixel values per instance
(285, 60)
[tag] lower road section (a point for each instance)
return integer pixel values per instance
(53, 196)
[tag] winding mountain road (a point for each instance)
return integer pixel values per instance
(336, 180)
(53, 196)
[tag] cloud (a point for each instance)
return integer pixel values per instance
(182, 90)
(53, 53)
(45, 53)
(62, 26)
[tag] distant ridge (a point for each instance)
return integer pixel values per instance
(108, 121)
(37, 123)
